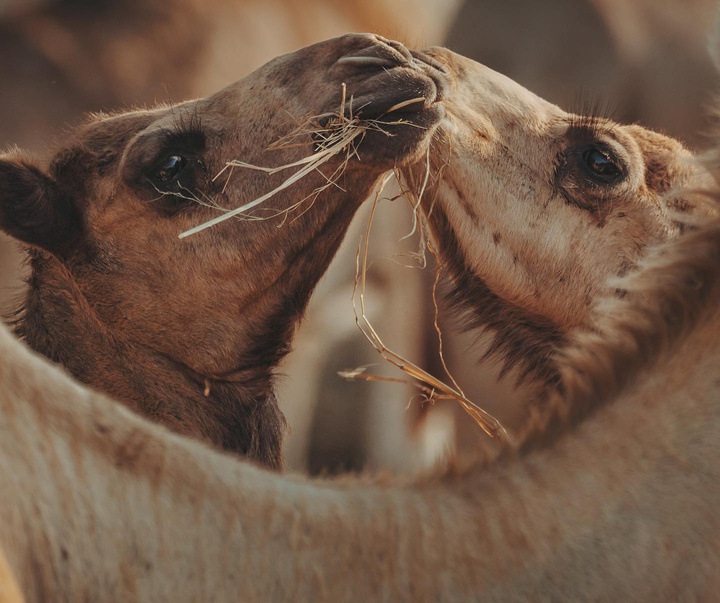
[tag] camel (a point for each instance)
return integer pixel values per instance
(612, 496)
(61, 59)
(189, 332)
(649, 64)
(535, 211)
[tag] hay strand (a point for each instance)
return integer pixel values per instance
(433, 386)
(341, 134)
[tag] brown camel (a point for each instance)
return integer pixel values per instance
(188, 331)
(620, 503)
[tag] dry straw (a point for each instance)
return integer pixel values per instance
(430, 385)
(339, 134)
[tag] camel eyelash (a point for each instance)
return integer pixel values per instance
(590, 125)
(592, 108)
(186, 133)
(191, 140)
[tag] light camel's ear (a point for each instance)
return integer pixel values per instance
(668, 164)
(34, 210)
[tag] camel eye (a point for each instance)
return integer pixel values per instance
(601, 166)
(169, 169)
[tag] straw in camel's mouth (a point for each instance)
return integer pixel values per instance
(337, 134)
(430, 75)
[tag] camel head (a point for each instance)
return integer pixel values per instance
(535, 210)
(218, 306)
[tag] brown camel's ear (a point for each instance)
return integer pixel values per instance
(34, 210)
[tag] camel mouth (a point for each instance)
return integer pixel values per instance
(433, 77)
(421, 112)
(419, 105)
(397, 86)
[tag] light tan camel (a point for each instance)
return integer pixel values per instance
(536, 211)
(649, 64)
(189, 331)
(98, 504)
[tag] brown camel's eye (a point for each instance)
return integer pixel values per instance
(169, 169)
(601, 166)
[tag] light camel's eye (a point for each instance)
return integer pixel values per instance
(601, 166)
(168, 169)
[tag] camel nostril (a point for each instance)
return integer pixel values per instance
(430, 61)
(380, 53)
(436, 70)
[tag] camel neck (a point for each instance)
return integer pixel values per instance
(527, 525)
(238, 414)
(559, 521)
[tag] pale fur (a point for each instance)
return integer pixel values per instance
(530, 243)
(98, 504)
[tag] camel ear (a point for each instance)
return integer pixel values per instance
(34, 210)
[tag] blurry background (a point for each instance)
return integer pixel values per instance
(633, 60)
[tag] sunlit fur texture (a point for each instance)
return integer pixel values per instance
(616, 504)
(189, 332)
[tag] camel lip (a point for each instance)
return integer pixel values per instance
(422, 114)
(391, 108)
(435, 93)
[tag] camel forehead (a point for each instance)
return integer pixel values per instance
(100, 141)
(246, 106)
(488, 109)
(508, 94)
